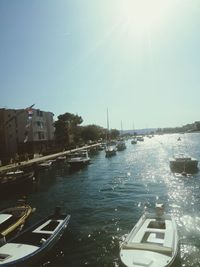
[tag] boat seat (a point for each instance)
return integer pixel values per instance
(40, 230)
(154, 230)
(148, 246)
(169, 237)
(139, 235)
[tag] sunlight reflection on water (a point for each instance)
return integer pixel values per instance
(107, 198)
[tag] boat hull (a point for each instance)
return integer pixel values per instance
(149, 246)
(188, 166)
(13, 180)
(33, 238)
(19, 214)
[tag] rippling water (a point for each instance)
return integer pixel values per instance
(106, 199)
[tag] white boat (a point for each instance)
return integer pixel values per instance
(183, 163)
(134, 141)
(45, 164)
(121, 145)
(28, 247)
(140, 138)
(110, 150)
(153, 242)
(79, 159)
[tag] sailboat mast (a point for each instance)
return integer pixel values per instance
(107, 132)
(107, 121)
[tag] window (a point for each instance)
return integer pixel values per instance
(41, 135)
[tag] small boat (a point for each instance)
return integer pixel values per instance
(110, 150)
(61, 158)
(33, 243)
(183, 163)
(17, 178)
(45, 164)
(153, 242)
(140, 138)
(79, 159)
(134, 141)
(13, 218)
(121, 145)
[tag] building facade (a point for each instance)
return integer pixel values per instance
(25, 131)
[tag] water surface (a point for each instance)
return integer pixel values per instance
(107, 198)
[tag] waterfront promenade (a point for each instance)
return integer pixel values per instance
(30, 162)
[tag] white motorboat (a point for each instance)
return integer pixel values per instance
(183, 163)
(121, 145)
(110, 150)
(140, 138)
(45, 164)
(79, 159)
(134, 141)
(153, 242)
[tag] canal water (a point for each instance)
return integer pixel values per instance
(106, 199)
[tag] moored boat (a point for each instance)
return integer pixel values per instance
(14, 217)
(34, 242)
(15, 179)
(79, 159)
(183, 163)
(153, 242)
(110, 150)
(45, 164)
(134, 141)
(121, 145)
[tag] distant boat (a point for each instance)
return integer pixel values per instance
(45, 164)
(134, 141)
(121, 145)
(61, 158)
(153, 242)
(140, 138)
(33, 243)
(79, 159)
(183, 163)
(13, 218)
(110, 149)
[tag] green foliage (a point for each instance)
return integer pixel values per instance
(92, 132)
(66, 128)
(69, 132)
(114, 133)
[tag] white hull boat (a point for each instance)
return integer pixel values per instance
(110, 151)
(28, 247)
(79, 159)
(153, 242)
(183, 163)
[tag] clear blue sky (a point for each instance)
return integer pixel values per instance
(140, 59)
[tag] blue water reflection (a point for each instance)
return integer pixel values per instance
(106, 198)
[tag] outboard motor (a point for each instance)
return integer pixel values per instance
(159, 210)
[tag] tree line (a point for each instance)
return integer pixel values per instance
(69, 132)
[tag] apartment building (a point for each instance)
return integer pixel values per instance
(25, 131)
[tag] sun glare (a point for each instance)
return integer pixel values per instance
(142, 15)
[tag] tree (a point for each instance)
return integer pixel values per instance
(114, 133)
(92, 132)
(65, 128)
